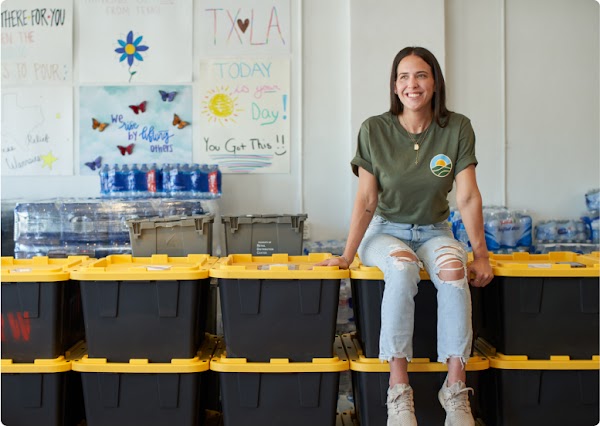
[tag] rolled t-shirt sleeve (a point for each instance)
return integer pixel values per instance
(363, 151)
(466, 147)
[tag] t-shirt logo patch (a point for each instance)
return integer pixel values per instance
(440, 165)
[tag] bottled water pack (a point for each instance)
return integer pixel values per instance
(201, 181)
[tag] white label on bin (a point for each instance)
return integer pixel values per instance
(540, 265)
(158, 268)
(22, 270)
(264, 248)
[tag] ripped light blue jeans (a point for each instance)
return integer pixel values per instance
(386, 245)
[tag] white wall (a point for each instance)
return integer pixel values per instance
(552, 105)
(525, 71)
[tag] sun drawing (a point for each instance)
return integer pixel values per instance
(219, 106)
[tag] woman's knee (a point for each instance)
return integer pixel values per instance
(450, 264)
(402, 256)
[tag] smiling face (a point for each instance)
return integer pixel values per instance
(415, 85)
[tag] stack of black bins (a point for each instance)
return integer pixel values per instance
(370, 377)
(539, 329)
(41, 320)
(147, 350)
(280, 363)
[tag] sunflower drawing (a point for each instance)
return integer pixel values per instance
(129, 50)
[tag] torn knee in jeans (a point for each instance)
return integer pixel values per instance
(450, 266)
(403, 256)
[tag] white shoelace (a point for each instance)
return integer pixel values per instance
(458, 401)
(401, 402)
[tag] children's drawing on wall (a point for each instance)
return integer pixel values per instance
(134, 124)
(132, 41)
(37, 42)
(37, 131)
(234, 27)
(130, 49)
(244, 125)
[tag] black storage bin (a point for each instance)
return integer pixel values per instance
(539, 306)
(278, 306)
(147, 307)
(42, 393)
(41, 308)
(280, 392)
(519, 391)
(146, 393)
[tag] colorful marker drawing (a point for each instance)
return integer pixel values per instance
(219, 106)
(129, 50)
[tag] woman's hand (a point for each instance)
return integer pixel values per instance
(480, 272)
(339, 261)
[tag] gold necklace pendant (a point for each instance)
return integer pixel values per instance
(416, 141)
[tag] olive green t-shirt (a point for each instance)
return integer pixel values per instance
(409, 192)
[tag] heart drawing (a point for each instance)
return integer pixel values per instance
(243, 24)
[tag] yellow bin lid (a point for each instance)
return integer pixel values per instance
(41, 268)
(197, 364)
(553, 264)
(222, 364)
(358, 362)
(277, 266)
(522, 362)
(124, 267)
(57, 365)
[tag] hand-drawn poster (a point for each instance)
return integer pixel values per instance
(134, 124)
(37, 131)
(37, 42)
(133, 41)
(235, 27)
(244, 114)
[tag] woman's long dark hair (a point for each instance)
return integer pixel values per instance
(438, 101)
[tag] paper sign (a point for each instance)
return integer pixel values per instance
(134, 124)
(37, 131)
(229, 27)
(245, 109)
(37, 42)
(133, 41)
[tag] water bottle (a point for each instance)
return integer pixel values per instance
(78, 219)
(566, 230)
(509, 229)
(131, 192)
(525, 227)
(592, 199)
(176, 181)
(491, 226)
(595, 224)
(154, 180)
(117, 180)
(166, 179)
(546, 231)
(104, 182)
(214, 181)
(141, 180)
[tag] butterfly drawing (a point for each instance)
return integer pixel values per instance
(167, 96)
(97, 125)
(93, 165)
(138, 108)
(126, 149)
(179, 122)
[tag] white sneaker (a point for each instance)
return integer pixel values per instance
(400, 406)
(455, 400)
